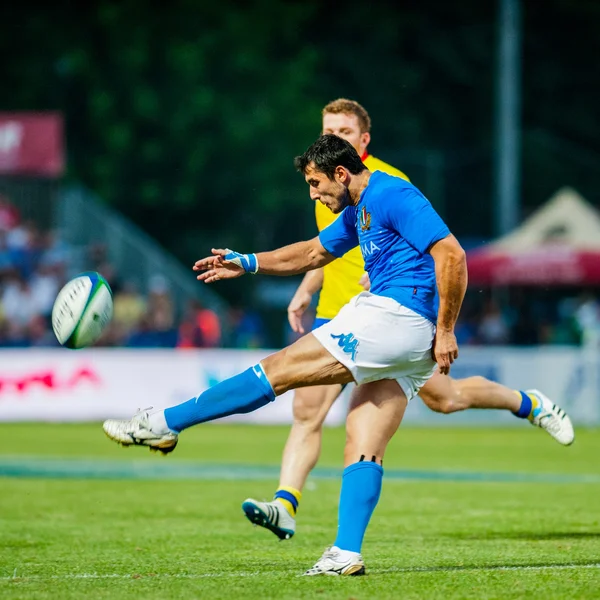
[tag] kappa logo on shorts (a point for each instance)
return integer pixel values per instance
(347, 342)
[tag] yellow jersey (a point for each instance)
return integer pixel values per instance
(341, 277)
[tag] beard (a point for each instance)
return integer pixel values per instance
(344, 201)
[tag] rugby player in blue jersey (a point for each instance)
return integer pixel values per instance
(388, 340)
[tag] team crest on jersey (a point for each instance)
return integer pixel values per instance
(364, 219)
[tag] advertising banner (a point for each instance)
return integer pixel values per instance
(31, 144)
(89, 385)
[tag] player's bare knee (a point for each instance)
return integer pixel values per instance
(442, 404)
(448, 405)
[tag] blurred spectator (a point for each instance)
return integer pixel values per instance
(44, 285)
(467, 324)
(39, 333)
(6, 262)
(157, 327)
(152, 334)
(14, 335)
(9, 214)
(466, 330)
(200, 328)
(97, 255)
(247, 329)
(129, 308)
(161, 308)
(587, 313)
(143, 336)
(98, 260)
(56, 252)
(18, 302)
(587, 316)
(493, 328)
(25, 247)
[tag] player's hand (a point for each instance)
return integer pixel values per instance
(365, 281)
(297, 307)
(216, 268)
(445, 349)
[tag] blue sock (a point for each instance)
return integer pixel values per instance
(361, 486)
(242, 393)
(526, 406)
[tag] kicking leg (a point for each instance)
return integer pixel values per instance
(376, 412)
(446, 395)
(304, 363)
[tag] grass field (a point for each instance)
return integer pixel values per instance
(465, 513)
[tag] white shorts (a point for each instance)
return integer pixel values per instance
(377, 338)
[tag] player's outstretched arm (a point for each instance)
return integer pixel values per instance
(289, 260)
(451, 275)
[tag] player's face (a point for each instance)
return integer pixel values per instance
(347, 127)
(330, 192)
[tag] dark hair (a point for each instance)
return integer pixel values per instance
(329, 152)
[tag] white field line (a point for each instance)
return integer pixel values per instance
(18, 576)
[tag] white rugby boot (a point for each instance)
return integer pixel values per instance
(270, 515)
(338, 562)
(142, 430)
(552, 418)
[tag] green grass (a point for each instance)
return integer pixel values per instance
(117, 538)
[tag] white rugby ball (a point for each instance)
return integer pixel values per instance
(82, 309)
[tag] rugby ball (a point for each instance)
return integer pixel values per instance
(82, 310)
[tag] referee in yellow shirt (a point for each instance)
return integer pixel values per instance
(340, 278)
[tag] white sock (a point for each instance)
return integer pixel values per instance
(158, 423)
(345, 555)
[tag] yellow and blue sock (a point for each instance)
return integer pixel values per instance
(361, 487)
(289, 497)
(529, 405)
(242, 393)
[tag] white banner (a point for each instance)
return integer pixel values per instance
(95, 384)
(86, 385)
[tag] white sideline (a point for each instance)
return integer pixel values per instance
(18, 576)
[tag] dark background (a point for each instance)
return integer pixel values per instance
(186, 116)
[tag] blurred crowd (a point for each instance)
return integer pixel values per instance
(32, 269)
(34, 265)
(528, 317)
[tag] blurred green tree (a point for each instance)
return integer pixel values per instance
(186, 116)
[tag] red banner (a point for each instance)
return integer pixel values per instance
(31, 144)
(543, 267)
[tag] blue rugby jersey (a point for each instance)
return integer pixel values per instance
(394, 225)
